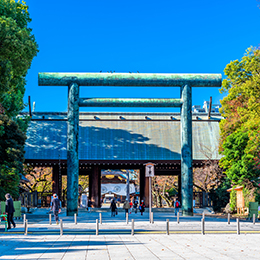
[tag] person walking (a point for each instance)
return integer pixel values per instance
(113, 208)
(56, 207)
(126, 206)
(177, 206)
(51, 204)
(9, 210)
(135, 205)
(89, 205)
(131, 206)
(141, 207)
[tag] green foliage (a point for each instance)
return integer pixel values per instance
(233, 200)
(248, 196)
(12, 141)
(15, 10)
(17, 49)
(22, 122)
(237, 161)
(172, 192)
(220, 196)
(84, 181)
(241, 127)
(9, 181)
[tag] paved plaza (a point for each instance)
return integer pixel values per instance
(114, 241)
(188, 246)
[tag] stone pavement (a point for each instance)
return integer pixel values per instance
(137, 247)
(79, 241)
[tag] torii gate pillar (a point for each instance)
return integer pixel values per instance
(73, 149)
(186, 151)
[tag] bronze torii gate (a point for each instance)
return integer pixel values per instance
(74, 80)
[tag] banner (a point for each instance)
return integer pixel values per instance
(117, 188)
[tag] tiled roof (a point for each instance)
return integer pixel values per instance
(121, 136)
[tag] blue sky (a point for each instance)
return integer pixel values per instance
(167, 36)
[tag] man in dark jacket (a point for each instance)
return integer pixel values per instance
(9, 209)
(113, 208)
(56, 208)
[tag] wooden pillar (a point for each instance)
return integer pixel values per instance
(60, 185)
(144, 187)
(90, 184)
(146, 190)
(186, 152)
(72, 150)
(95, 186)
(55, 180)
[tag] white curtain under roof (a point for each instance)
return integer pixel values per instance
(117, 188)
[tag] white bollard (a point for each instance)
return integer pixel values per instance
(126, 215)
(178, 217)
(26, 227)
(238, 226)
(75, 218)
(133, 227)
(152, 218)
(97, 227)
(254, 219)
(203, 226)
(100, 218)
(24, 218)
(167, 227)
(50, 219)
(229, 218)
(61, 227)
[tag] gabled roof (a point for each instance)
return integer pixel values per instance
(121, 136)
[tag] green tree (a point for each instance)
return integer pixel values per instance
(241, 127)
(12, 141)
(17, 49)
(219, 195)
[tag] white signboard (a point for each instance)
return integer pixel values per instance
(149, 170)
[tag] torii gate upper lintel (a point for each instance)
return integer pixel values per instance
(184, 81)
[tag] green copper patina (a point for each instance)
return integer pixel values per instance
(130, 102)
(186, 152)
(73, 149)
(130, 79)
(185, 81)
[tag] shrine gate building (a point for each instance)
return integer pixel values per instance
(119, 141)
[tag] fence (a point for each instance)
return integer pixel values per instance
(35, 199)
(202, 199)
(29, 199)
